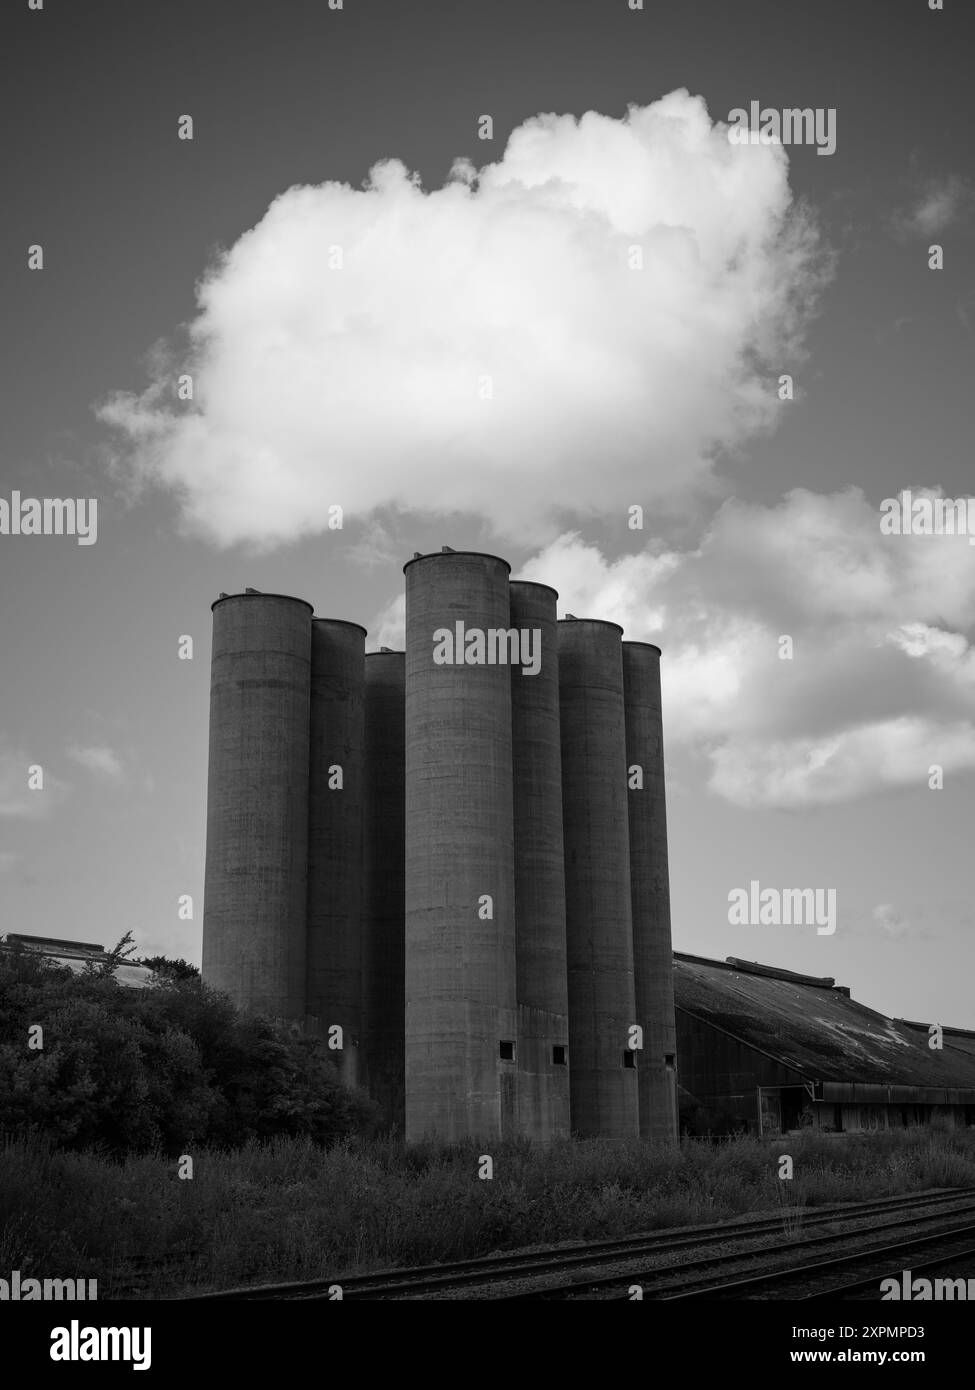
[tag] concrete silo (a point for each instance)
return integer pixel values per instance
(333, 979)
(460, 1019)
(653, 961)
(383, 895)
(257, 803)
(542, 990)
(599, 919)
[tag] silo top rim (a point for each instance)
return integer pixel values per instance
(593, 622)
(536, 585)
(341, 622)
(652, 645)
(453, 555)
(290, 598)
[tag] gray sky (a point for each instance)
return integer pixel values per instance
(363, 386)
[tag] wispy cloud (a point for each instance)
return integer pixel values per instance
(18, 800)
(96, 758)
(891, 922)
(938, 205)
(375, 546)
(389, 626)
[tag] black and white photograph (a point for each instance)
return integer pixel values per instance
(487, 673)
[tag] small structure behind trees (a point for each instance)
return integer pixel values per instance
(87, 1062)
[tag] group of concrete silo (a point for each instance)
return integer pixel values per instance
(453, 871)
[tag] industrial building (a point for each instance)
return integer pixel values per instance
(75, 955)
(449, 863)
(767, 1051)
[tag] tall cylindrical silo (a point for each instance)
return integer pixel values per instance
(460, 939)
(653, 961)
(257, 803)
(383, 883)
(542, 989)
(599, 917)
(333, 975)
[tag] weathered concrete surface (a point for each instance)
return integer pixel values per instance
(599, 918)
(650, 885)
(383, 882)
(543, 1005)
(460, 964)
(333, 978)
(257, 803)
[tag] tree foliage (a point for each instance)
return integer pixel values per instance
(166, 965)
(136, 1070)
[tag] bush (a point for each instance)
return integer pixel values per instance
(164, 965)
(135, 1070)
(287, 1209)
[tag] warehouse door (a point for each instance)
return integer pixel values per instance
(771, 1122)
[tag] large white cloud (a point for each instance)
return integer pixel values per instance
(882, 678)
(364, 386)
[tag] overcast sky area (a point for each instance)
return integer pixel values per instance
(502, 344)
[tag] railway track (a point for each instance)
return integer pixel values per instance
(792, 1279)
(922, 1268)
(568, 1270)
(947, 1246)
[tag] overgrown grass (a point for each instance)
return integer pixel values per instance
(290, 1210)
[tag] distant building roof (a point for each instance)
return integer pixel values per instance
(813, 1026)
(961, 1039)
(47, 945)
(76, 954)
